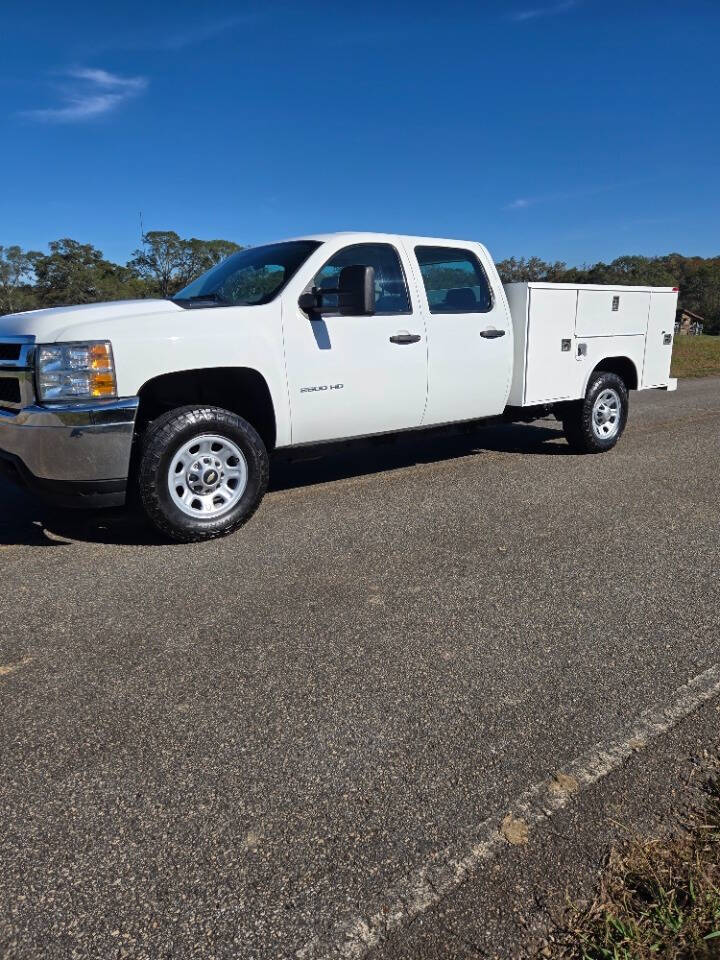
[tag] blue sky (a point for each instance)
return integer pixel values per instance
(569, 129)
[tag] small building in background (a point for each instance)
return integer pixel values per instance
(688, 323)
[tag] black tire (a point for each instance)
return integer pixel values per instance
(164, 438)
(577, 417)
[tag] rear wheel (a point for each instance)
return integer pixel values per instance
(596, 423)
(203, 472)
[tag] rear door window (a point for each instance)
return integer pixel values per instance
(454, 279)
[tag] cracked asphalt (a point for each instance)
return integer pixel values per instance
(224, 750)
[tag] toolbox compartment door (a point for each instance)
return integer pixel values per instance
(659, 340)
(550, 353)
(612, 313)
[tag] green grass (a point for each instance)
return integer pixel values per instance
(659, 898)
(695, 356)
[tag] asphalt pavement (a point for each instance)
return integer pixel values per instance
(235, 749)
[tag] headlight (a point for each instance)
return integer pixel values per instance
(75, 371)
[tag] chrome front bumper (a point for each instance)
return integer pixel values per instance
(78, 442)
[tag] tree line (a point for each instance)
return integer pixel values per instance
(697, 277)
(73, 272)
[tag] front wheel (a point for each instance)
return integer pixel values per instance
(202, 473)
(595, 424)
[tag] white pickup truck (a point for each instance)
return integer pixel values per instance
(306, 341)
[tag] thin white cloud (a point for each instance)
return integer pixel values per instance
(195, 35)
(105, 79)
(522, 203)
(535, 13)
(91, 94)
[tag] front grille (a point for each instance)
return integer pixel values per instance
(10, 351)
(9, 390)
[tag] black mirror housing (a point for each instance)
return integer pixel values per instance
(309, 302)
(356, 291)
(355, 294)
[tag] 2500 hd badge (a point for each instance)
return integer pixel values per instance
(325, 386)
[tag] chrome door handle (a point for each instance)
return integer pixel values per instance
(492, 334)
(405, 337)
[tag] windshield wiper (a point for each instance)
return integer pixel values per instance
(204, 298)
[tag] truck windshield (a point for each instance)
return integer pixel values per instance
(249, 277)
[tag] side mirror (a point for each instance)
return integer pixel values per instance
(355, 294)
(356, 291)
(309, 302)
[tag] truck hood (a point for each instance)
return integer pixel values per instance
(57, 323)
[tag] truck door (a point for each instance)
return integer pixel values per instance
(470, 343)
(351, 376)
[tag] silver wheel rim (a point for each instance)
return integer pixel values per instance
(207, 476)
(606, 414)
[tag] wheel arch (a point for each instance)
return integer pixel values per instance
(624, 367)
(242, 390)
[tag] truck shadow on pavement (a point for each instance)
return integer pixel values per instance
(381, 455)
(28, 521)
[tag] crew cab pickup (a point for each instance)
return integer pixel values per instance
(303, 342)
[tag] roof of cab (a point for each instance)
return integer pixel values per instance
(374, 235)
(360, 236)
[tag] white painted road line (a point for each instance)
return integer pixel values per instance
(8, 668)
(447, 869)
